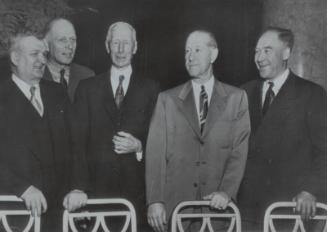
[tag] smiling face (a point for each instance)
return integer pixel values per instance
(199, 55)
(271, 55)
(29, 58)
(121, 45)
(62, 42)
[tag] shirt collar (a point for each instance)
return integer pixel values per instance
(116, 72)
(279, 80)
(55, 69)
(207, 85)
(23, 86)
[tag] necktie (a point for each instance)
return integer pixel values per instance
(270, 95)
(62, 78)
(37, 105)
(119, 95)
(203, 107)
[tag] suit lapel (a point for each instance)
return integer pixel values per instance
(216, 107)
(73, 80)
(255, 106)
(47, 74)
(108, 96)
(187, 106)
(282, 104)
(132, 93)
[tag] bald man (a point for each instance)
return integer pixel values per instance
(61, 40)
(111, 118)
(198, 138)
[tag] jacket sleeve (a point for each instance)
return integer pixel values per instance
(79, 118)
(316, 122)
(155, 162)
(234, 168)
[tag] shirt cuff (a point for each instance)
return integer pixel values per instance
(139, 156)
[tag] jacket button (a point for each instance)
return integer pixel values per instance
(195, 185)
(269, 161)
(197, 163)
(203, 162)
(201, 142)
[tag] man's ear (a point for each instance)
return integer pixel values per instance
(107, 46)
(135, 47)
(14, 57)
(214, 54)
(286, 53)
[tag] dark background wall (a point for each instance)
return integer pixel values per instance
(162, 28)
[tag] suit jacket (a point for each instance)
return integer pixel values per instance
(34, 150)
(77, 73)
(98, 168)
(183, 164)
(288, 147)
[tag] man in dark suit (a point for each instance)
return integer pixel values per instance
(198, 139)
(287, 156)
(111, 118)
(35, 142)
(61, 39)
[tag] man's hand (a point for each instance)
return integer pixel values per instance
(126, 143)
(157, 217)
(218, 200)
(75, 200)
(34, 201)
(305, 205)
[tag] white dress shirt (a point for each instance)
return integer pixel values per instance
(114, 81)
(278, 83)
(114, 77)
(25, 88)
(55, 72)
(208, 86)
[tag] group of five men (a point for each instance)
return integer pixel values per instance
(66, 137)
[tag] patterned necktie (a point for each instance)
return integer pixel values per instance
(119, 95)
(270, 95)
(37, 105)
(62, 78)
(203, 107)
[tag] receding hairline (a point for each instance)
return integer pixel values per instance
(52, 23)
(285, 36)
(212, 42)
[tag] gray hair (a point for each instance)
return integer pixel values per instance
(114, 25)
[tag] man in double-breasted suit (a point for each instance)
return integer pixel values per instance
(111, 117)
(198, 138)
(287, 156)
(34, 139)
(61, 40)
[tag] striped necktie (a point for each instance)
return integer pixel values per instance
(35, 102)
(203, 107)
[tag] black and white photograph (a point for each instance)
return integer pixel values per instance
(163, 115)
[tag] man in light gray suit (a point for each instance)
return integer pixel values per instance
(198, 139)
(61, 40)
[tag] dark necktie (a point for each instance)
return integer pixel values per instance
(203, 107)
(62, 78)
(119, 95)
(270, 95)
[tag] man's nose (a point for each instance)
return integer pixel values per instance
(42, 58)
(189, 56)
(121, 48)
(260, 56)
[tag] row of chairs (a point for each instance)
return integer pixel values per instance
(231, 213)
